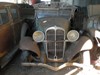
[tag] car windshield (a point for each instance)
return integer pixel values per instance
(54, 9)
(50, 13)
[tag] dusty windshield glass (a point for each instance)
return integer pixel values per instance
(51, 13)
(54, 9)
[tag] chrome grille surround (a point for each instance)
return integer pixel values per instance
(55, 43)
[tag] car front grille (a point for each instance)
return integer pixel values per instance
(55, 43)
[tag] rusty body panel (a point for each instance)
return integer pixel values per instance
(54, 21)
(80, 45)
(27, 44)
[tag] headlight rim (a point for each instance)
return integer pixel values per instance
(34, 36)
(69, 34)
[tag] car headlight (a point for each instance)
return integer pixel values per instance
(73, 35)
(38, 36)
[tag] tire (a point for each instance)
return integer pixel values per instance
(25, 56)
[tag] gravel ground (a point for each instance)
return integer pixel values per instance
(15, 68)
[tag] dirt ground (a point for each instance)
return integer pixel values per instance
(15, 68)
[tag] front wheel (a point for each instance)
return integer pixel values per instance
(25, 56)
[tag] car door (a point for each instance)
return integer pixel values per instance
(6, 32)
(17, 23)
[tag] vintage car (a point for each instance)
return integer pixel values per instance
(12, 29)
(56, 39)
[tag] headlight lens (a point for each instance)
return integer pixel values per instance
(38, 36)
(73, 35)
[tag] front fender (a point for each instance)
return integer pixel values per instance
(84, 43)
(28, 44)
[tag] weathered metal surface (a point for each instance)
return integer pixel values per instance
(28, 44)
(54, 17)
(86, 65)
(53, 21)
(50, 67)
(84, 43)
(59, 67)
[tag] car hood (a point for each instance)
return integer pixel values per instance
(47, 22)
